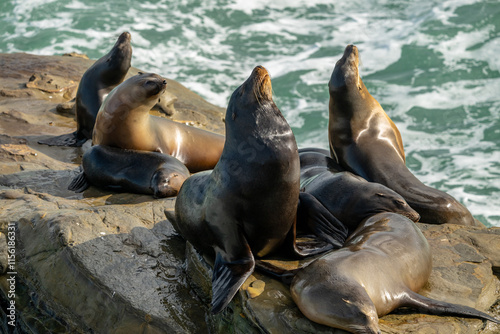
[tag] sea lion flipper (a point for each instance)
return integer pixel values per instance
(68, 139)
(438, 307)
(79, 183)
(320, 220)
(228, 277)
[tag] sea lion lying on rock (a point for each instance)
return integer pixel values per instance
(380, 268)
(348, 197)
(141, 172)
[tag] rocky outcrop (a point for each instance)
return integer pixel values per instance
(103, 262)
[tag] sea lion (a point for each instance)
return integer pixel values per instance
(365, 141)
(124, 121)
(246, 206)
(99, 79)
(348, 197)
(117, 169)
(380, 268)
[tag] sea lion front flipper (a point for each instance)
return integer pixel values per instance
(312, 213)
(227, 278)
(68, 139)
(304, 247)
(79, 183)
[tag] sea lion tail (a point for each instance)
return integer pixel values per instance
(79, 183)
(68, 139)
(437, 307)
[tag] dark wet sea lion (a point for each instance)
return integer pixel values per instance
(99, 79)
(141, 172)
(246, 206)
(348, 197)
(380, 268)
(124, 121)
(366, 142)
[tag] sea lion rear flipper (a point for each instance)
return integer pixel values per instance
(79, 183)
(227, 278)
(312, 213)
(68, 139)
(437, 307)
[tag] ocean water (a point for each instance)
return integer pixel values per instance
(433, 65)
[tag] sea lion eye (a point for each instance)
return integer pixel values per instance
(380, 195)
(400, 202)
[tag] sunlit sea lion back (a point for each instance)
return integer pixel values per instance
(366, 142)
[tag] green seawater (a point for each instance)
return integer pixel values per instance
(433, 66)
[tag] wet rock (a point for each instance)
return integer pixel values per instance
(100, 267)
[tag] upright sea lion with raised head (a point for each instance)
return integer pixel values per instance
(246, 206)
(99, 79)
(380, 268)
(141, 172)
(124, 121)
(365, 141)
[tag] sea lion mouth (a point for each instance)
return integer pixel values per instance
(262, 87)
(413, 216)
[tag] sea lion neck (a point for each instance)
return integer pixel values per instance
(118, 60)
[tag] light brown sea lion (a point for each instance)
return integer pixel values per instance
(124, 121)
(380, 268)
(246, 206)
(366, 142)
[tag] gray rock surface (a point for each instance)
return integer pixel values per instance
(103, 262)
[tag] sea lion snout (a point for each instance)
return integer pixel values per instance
(166, 185)
(406, 210)
(257, 87)
(155, 84)
(262, 83)
(124, 37)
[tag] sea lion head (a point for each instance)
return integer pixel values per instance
(165, 183)
(345, 75)
(118, 60)
(387, 200)
(251, 109)
(143, 89)
(254, 94)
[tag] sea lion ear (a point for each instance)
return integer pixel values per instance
(140, 73)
